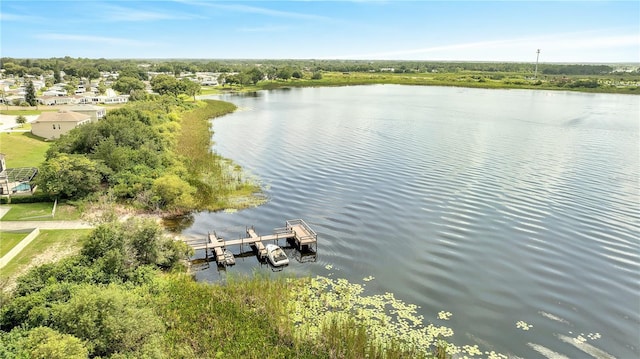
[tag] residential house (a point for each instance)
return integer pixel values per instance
(57, 100)
(51, 125)
(53, 92)
(95, 112)
(108, 100)
(16, 181)
(207, 78)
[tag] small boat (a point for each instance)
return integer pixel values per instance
(229, 259)
(276, 255)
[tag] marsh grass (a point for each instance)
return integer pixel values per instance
(219, 182)
(251, 317)
(472, 79)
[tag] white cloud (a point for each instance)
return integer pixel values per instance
(557, 47)
(94, 39)
(258, 10)
(267, 28)
(120, 13)
(14, 17)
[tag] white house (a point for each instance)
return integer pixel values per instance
(53, 92)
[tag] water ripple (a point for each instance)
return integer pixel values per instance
(494, 205)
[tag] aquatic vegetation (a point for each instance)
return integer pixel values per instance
(523, 325)
(594, 336)
(444, 315)
(316, 305)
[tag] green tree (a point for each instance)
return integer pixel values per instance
(56, 75)
(317, 75)
(135, 72)
(70, 176)
(190, 88)
(35, 71)
(21, 120)
(111, 320)
(255, 75)
(71, 86)
(174, 192)
(285, 73)
(11, 68)
(138, 95)
(89, 72)
(30, 95)
(47, 343)
(166, 85)
(116, 250)
(127, 84)
(102, 88)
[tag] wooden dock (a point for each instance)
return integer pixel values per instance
(295, 230)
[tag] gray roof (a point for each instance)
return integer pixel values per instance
(62, 116)
(85, 108)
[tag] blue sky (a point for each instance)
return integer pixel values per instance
(569, 31)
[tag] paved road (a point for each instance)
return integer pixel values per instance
(17, 225)
(8, 122)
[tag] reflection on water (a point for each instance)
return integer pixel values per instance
(500, 207)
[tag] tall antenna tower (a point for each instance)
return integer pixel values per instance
(535, 74)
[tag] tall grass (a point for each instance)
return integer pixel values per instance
(251, 317)
(219, 182)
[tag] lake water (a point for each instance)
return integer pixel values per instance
(498, 206)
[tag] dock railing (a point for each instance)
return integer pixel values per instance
(297, 230)
(309, 234)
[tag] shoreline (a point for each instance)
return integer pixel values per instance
(463, 80)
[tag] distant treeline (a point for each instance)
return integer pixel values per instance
(83, 67)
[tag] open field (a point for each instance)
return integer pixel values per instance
(41, 211)
(48, 247)
(23, 149)
(9, 240)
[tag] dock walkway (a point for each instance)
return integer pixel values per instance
(295, 230)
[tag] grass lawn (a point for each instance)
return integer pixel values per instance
(25, 127)
(209, 90)
(9, 240)
(23, 149)
(49, 246)
(21, 112)
(41, 212)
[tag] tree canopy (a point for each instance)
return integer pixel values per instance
(30, 94)
(84, 306)
(126, 84)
